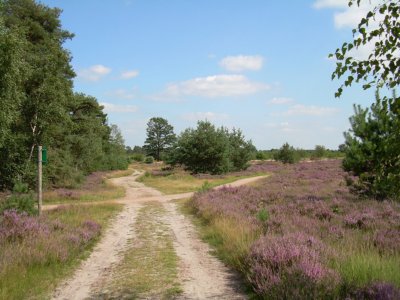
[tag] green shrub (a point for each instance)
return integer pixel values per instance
(261, 155)
(139, 157)
(287, 154)
(205, 187)
(149, 159)
(263, 215)
(21, 200)
(319, 152)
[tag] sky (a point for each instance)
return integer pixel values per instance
(258, 65)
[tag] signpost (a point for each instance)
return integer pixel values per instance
(44, 155)
(39, 187)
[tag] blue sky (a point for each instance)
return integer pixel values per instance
(257, 65)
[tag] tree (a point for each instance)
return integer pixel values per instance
(38, 106)
(381, 28)
(203, 150)
(160, 137)
(208, 149)
(240, 151)
(373, 150)
(44, 86)
(12, 67)
(115, 153)
(319, 152)
(372, 145)
(287, 154)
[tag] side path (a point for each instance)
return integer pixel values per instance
(202, 275)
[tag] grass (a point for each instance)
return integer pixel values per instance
(359, 268)
(183, 182)
(104, 191)
(30, 269)
(149, 267)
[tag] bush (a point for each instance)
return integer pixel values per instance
(319, 152)
(205, 187)
(287, 154)
(22, 200)
(260, 155)
(139, 157)
(149, 160)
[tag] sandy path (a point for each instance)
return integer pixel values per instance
(203, 276)
(109, 250)
(104, 255)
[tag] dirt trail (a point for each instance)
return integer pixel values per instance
(104, 255)
(202, 275)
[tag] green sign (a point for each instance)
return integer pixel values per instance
(44, 155)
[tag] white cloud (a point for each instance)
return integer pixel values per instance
(210, 116)
(115, 108)
(350, 17)
(347, 17)
(122, 94)
(242, 63)
(310, 110)
(280, 100)
(129, 74)
(212, 87)
(330, 4)
(94, 73)
(282, 126)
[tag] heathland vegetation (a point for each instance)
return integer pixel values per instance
(322, 224)
(37, 252)
(301, 234)
(311, 230)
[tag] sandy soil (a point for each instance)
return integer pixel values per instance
(105, 254)
(202, 275)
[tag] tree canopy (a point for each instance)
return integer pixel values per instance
(208, 149)
(160, 137)
(380, 28)
(38, 105)
(373, 150)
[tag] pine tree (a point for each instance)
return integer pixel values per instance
(373, 149)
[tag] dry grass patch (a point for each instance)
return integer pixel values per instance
(180, 181)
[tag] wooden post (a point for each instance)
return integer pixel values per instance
(39, 187)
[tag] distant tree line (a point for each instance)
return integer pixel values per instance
(289, 154)
(208, 149)
(38, 105)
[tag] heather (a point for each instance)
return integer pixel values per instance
(300, 233)
(35, 252)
